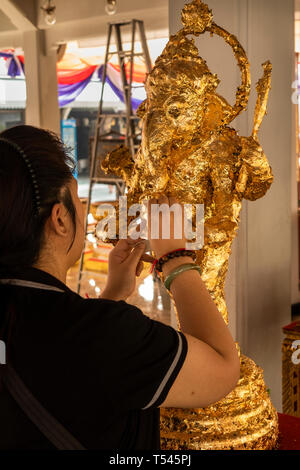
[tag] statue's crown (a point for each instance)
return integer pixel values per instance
(196, 18)
(179, 48)
(182, 56)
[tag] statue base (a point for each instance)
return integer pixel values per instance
(244, 420)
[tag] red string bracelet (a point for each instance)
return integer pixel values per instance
(153, 265)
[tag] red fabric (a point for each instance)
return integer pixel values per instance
(289, 432)
(138, 73)
(74, 69)
(69, 76)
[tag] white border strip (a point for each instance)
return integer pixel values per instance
(35, 285)
(168, 374)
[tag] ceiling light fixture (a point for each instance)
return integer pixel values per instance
(111, 7)
(49, 13)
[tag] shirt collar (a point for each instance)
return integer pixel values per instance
(33, 275)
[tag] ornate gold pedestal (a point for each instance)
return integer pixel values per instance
(243, 420)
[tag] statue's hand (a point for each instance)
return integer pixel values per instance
(255, 176)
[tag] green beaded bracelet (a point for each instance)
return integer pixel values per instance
(179, 270)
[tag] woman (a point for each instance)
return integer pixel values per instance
(99, 366)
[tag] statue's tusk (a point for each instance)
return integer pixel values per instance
(263, 87)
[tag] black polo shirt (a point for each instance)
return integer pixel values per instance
(100, 367)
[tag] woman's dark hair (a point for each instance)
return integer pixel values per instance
(21, 233)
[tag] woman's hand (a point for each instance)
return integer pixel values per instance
(124, 264)
(159, 245)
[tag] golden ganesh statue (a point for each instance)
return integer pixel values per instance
(189, 151)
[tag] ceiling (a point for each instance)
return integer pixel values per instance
(5, 23)
(81, 20)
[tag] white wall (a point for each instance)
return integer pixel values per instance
(258, 285)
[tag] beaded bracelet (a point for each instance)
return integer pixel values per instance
(180, 269)
(158, 264)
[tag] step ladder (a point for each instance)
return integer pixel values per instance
(132, 137)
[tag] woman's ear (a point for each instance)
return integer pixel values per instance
(59, 219)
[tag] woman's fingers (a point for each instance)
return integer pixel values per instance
(139, 268)
(136, 254)
(163, 199)
(150, 204)
(166, 227)
(173, 200)
(123, 249)
(147, 258)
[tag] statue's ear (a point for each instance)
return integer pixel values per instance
(141, 111)
(216, 111)
(256, 175)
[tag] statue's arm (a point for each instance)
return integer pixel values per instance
(255, 176)
(120, 163)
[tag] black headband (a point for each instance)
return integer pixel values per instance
(36, 192)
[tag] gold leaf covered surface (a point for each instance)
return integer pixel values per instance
(189, 151)
(245, 419)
